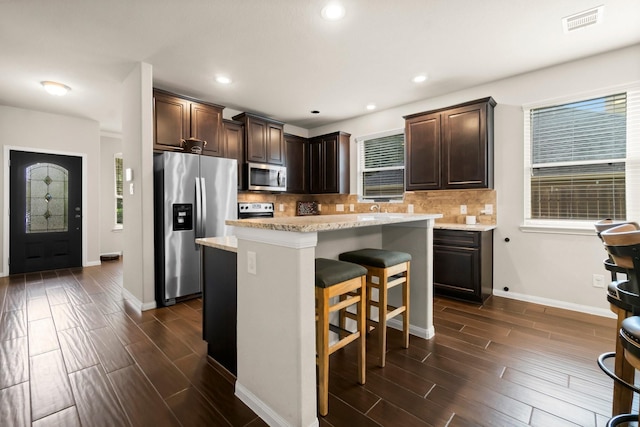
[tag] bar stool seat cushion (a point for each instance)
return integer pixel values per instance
(630, 331)
(375, 257)
(330, 272)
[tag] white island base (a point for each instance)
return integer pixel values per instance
(276, 300)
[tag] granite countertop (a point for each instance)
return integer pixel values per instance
(226, 243)
(464, 227)
(307, 224)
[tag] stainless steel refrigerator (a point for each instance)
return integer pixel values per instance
(193, 196)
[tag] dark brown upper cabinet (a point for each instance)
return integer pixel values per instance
(297, 164)
(451, 148)
(177, 118)
(264, 139)
(329, 163)
(234, 145)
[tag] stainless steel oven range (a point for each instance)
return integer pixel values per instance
(255, 210)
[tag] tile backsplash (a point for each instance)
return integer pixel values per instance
(446, 202)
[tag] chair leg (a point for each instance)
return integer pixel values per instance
(622, 396)
(362, 329)
(405, 301)
(322, 337)
(382, 318)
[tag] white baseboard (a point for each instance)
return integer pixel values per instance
(136, 302)
(93, 263)
(413, 330)
(263, 410)
(556, 303)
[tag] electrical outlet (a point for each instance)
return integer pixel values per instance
(251, 262)
(351, 208)
(463, 209)
(410, 208)
(281, 207)
(340, 207)
(598, 281)
(488, 209)
(319, 207)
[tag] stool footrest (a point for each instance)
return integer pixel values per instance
(612, 375)
(344, 341)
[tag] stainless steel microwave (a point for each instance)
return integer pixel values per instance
(266, 177)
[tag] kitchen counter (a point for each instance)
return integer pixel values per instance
(305, 224)
(276, 369)
(226, 243)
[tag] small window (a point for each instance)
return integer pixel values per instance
(118, 188)
(577, 160)
(381, 166)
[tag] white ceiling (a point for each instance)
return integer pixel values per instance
(284, 59)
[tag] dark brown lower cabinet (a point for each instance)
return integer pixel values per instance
(463, 264)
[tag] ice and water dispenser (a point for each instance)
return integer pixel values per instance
(182, 216)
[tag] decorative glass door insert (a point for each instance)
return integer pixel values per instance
(47, 201)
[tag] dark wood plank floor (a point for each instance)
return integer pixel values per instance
(73, 353)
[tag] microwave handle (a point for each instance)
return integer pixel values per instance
(278, 179)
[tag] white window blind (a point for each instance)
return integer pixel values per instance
(381, 166)
(579, 159)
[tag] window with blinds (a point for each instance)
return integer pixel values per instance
(381, 166)
(578, 160)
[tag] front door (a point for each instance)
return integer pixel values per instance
(45, 209)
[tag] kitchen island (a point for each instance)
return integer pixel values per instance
(276, 309)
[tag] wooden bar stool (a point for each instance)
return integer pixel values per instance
(630, 338)
(622, 395)
(346, 281)
(622, 242)
(385, 270)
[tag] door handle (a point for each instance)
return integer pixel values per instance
(78, 216)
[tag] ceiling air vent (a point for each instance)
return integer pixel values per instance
(582, 19)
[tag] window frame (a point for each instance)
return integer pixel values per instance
(116, 196)
(361, 170)
(632, 162)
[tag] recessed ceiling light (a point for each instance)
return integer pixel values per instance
(420, 78)
(333, 12)
(371, 107)
(54, 88)
(223, 80)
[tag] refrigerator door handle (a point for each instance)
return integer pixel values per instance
(198, 203)
(203, 209)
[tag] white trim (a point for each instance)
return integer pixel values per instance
(288, 239)
(112, 253)
(85, 177)
(556, 303)
(136, 302)
(93, 263)
(110, 134)
(582, 228)
(263, 410)
(566, 99)
(427, 334)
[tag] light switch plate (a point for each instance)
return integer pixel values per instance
(488, 209)
(339, 207)
(463, 209)
(410, 208)
(351, 208)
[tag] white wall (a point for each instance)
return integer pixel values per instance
(551, 268)
(137, 146)
(36, 131)
(110, 238)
